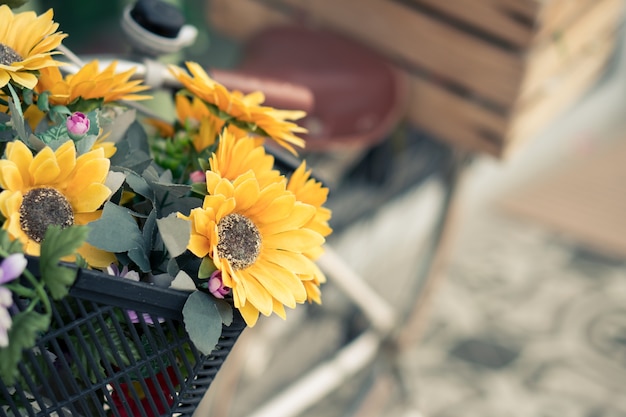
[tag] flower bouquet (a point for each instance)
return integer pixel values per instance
(135, 249)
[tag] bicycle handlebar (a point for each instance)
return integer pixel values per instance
(278, 94)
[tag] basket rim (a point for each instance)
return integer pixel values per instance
(102, 288)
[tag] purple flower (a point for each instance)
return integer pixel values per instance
(77, 125)
(134, 276)
(10, 268)
(216, 285)
(124, 273)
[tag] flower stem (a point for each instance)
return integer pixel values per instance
(40, 292)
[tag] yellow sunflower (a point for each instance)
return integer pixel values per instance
(238, 154)
(195, 115)
(189, 112)
(310, 191)
(197, 119)
(26, 45)
(244, 109)
(255, 237)
(52, 188)
(90, 83)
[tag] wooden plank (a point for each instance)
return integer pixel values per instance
(455, 119)
(556, 15)
(241, 19)
(427, 44)
(526, 9)
(487, 16)
(583, 35)
(529, 120)
(581, 197)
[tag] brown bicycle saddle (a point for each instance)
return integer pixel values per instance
(358, 95)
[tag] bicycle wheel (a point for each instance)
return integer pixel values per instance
(324, 360)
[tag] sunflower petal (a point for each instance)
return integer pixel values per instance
(256, 293)
(299, 240)
(10, 176)
(249, 313)
(25, 79)
(91, 198)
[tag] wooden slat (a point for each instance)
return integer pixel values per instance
(424, 43)
(527, 9)
(241, 19)
(528, 121)
(455, 119)
(436, 49)
(581, 198)
(557, 15)
(486, 15)
(547, 61)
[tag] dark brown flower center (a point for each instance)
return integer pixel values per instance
(8, 55)
(41, 208)
(239, 241)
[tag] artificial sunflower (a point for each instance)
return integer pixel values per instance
(245, 111)
(90, 83)
(310, 191)
(256, 237)
(27, 42)
(52, 188)
(236, 155)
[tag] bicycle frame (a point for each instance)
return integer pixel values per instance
(387, 325)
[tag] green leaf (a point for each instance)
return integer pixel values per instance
(172, 267)
(226, 311)
(27, 95)
(59, 243)
(116, 125)
(35, 143)
(14, 4)
(23, 334)
(117, 231)
(207, 267)
(55, 136)
(182, 281)
(139, 185)
(10, 246)
(199, 188)
(94, 123)
(202, 321)
(17, 117)
(85, 144)
(175, 233)
(42, 101)
(86, 105)
(58, 114)
(150, 230)
(115, 180)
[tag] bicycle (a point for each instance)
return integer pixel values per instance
(376, 328)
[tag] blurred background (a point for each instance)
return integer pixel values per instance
(528, 317)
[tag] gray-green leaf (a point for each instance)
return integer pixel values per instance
(202, 321)
(175, 233)
(117, 231)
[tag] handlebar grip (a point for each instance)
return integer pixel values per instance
(278, 94)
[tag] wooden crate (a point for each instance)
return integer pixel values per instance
(486, 74)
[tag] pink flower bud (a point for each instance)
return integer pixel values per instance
(216, 285)
(77, 125)
(197, 176)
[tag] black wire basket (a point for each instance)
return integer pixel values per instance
(116, 347)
